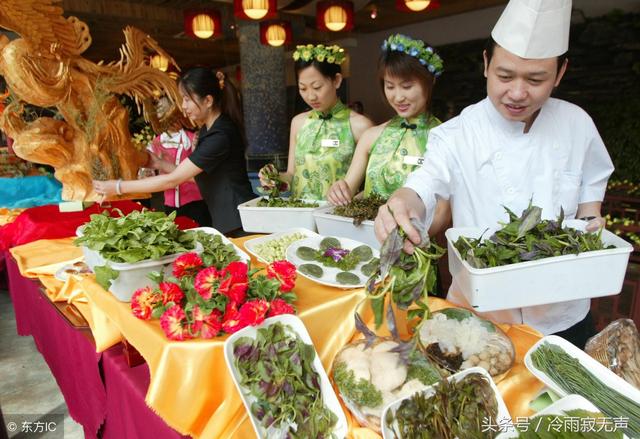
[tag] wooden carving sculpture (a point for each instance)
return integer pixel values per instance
(45, 68)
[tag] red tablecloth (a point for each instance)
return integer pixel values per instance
(113, 399)
(47, 222)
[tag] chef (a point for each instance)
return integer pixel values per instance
(517, 144)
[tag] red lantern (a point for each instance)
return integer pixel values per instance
(417, 5)
(254, 9)
(202, 23)
(275, 33)
(334, 15)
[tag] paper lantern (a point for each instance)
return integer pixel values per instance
(276, 34)
(254, 9)
(416, 5)
(160, 62)
(202, 23)
(334, 15)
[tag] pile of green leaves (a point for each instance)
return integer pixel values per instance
(408, 278)
(135, 237)
(285, 202)
(361, 209)
(455, 410)
(527, 238)
(215, 253)
(572, 377)
(277, 369)
(555, 426)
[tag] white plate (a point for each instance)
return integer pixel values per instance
(503, 413)
(328, 395)
(251, 244)
(211, 231)
(62, 275)
(329, 273)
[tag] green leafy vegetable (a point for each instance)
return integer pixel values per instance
(527, 238)
(104, 275)
(362, 392)
(361, 209)
(285, 202)
(214, 251)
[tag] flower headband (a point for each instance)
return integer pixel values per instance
(417, 49)
(321, 53)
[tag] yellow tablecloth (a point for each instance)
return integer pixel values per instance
(190, 387)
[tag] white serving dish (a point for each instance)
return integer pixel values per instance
(329, 273)
(328, 395)
(211, 231)
(251, 245)
(329, 224)
(550, 280)
(275, 219)
(503, 413)
(599, 371)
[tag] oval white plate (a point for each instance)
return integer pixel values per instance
(251, 244)
(329, 273)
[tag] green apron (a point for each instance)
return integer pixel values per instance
(324, 149)
(396, 153)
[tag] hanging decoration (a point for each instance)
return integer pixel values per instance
(275, 33)
(159, 62)
(203, 23)
(416, 5)
(334, 15)
(254, 9)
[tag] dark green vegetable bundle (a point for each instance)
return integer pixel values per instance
(284, 202)
(407, 277)
(277, 369)
(572, 377)
(455, 410)
(135, 237)
(569, 426)
(527, 238)
(361, 209)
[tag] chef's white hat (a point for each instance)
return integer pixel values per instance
(534, 29)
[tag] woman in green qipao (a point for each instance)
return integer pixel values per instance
(387, 153)
(322, 140)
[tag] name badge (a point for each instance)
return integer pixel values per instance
(330, 143)
(413, 160)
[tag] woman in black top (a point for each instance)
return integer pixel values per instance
(217, 163)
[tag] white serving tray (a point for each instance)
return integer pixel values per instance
(275, 219)
(503, 413)
(329, 224)
(252, 244)
(599, 371)
(550, 280)
(329, 273)
(328, 395)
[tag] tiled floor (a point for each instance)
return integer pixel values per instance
(26, 384)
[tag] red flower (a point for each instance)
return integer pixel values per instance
(205, 282)
(236, 292)
(253, 312)
(171, 293)
(238, 270)
(285, 272)
(143, 301)
(279, 306)
(198, 317)
(211, 325)
(186, 264)
(174, 324)
(231, 321)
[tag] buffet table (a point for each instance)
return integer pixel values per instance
(185, 383)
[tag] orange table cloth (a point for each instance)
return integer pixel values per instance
(190, 387)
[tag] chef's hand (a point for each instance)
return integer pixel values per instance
(595, 224)
(403, 205)
(106, 188)
(339, 194)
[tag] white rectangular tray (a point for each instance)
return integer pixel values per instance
(251, 244)
(328, 394)
(275, 219)
(211, 231)
(550, 280)
(503, 413)
(329, 224)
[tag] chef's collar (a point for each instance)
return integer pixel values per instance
(512, 127)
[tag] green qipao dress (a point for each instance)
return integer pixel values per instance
(396, 153)
(324, 149)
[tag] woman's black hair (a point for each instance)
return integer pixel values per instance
(202, 82)
(402, 65)
(328, 70)
(491, 44)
